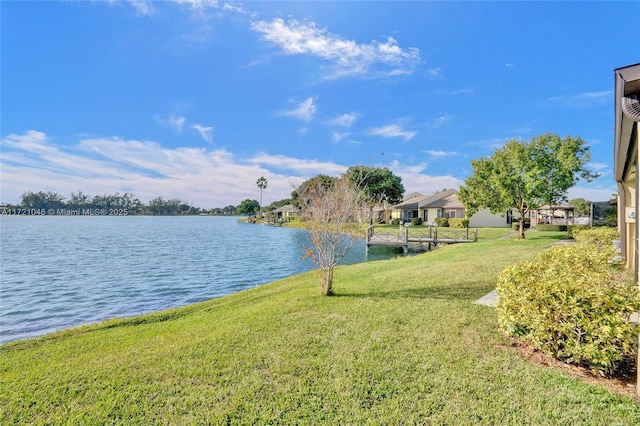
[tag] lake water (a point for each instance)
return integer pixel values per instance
(59, 272)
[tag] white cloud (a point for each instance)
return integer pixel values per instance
(439, 121)
(344, 120)
(583, 99)
(591, 194)
(205, 132)
(597, 166)
(303, 111)
(199, 7)
(462, 92)
(304, 167)
(176, 122)
(393, 131)
(415, 180)
(337, 137)
(491, 143)
(435, 73)
(205, 177)
(347, 57)
(143, 7)
(197, 4)
(441, 153)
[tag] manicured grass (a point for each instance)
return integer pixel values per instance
(401, 343)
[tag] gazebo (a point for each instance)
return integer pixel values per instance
(562, 214)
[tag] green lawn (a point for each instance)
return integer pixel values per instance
(401, 343)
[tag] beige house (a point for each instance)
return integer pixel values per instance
(627, 116)
(443, 204)
(483, 218)
(625, 157)
(287, 212)
(407, 209)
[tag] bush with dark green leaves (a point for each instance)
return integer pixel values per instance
(458, 222)
(442, 221)
(543, 227)
(416, 221)
(573, 301)
(515, 225)
(395, 221)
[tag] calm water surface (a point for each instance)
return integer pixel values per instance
(59, 272)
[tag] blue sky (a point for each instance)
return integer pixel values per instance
(196, 99)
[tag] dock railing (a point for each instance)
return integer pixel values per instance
(386, 236)
(436, 233)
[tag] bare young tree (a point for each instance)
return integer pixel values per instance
(331, 211)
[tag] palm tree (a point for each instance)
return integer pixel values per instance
(262, 184)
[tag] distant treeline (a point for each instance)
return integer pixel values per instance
(81, 204)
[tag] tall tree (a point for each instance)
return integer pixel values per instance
(526, 175)
(262, 184)
(583, 207)
(331, 212)
(79, 200)
(319, 180)
(248, 207)
(42, 200)
(378, 186)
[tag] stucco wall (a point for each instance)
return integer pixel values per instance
(485, 219)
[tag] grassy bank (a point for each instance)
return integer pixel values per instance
(401, 343)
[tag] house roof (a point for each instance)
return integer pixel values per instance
(411, 196)
(627, 112)
(287, 208)
(411, 203)
(557, 207)
(445, 199)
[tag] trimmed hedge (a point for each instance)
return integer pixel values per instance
(458, 222)
(416, 221)
(571, 301)
(574, 230)
(597, 236)
(551, 228)
(395, 221)
(515, 225)
(442, 221)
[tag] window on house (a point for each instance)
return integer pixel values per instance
(449, 213)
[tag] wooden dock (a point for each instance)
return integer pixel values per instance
(431, 235)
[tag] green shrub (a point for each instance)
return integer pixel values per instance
(550, 228)
(442, 221)
(515, 225)
(458, 222)
(599, 236)
(573, 230)
(571, 301)
(395, 221)
(416, 221)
